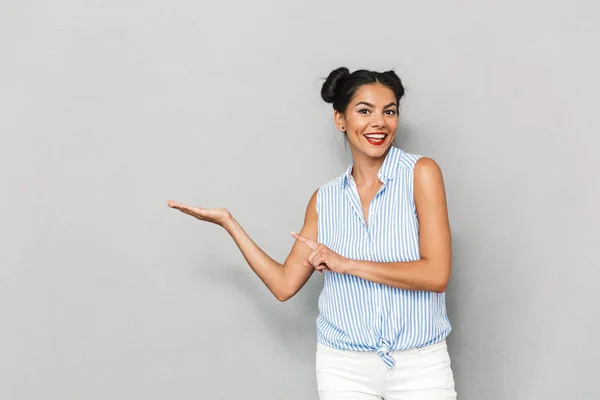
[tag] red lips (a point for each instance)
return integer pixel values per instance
(376, 142)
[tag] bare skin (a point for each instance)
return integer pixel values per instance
(284, 281)
(372, 109)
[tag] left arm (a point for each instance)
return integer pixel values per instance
(432, 271)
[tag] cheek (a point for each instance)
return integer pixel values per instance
(359, 125)
(393, 123)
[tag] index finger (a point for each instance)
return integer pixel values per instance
(309, 242)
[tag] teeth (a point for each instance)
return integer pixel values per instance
(381, 136)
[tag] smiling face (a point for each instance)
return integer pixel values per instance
(370, 120)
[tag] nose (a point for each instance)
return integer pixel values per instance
(377, 120)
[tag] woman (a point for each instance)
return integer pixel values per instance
(380, 235)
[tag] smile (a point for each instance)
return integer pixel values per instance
(376, 138)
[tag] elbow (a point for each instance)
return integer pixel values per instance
(283, 296)
(440, 282)
(439, 287)
(284, 290)
(436, 275)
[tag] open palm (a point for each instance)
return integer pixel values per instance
(215, 215)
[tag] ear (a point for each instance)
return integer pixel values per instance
(340, 121)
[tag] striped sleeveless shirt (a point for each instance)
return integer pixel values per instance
(361, 315)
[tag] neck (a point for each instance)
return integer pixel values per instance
(365, 169)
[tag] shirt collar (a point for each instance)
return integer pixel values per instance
(388, 168)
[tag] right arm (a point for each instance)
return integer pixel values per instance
(283, 280)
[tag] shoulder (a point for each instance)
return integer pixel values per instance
(332, 185)
(311, 208)
(418, 163)
(408, 160)
(427, 174)
(426, 165)
(326, 188)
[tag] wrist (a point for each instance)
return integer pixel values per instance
(351, 266)
(228, 222)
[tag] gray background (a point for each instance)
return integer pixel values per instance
(110, 108)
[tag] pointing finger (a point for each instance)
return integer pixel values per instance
(309, 242)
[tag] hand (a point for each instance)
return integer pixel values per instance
(322, 257)
(217, 216)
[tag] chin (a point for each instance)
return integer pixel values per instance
(372, 150)
(376, 151)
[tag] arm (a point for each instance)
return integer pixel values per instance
(432, 271)
(284, 281)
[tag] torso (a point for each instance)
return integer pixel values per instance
(361, 315)
(366, 197)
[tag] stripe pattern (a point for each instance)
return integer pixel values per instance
(361, 315)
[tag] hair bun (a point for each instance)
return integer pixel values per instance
(397, 86)
(332, 83)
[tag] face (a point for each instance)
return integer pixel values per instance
(370, 120)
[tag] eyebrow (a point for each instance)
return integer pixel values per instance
(372, 106)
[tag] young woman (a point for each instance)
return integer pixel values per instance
(380, 235)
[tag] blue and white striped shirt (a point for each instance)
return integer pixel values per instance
(361, 315)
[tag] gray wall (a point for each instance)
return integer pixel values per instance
(110, 108)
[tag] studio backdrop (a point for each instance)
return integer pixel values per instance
(108, 109)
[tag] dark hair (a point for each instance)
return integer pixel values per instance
(340, 85)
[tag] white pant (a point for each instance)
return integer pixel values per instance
(419, 374)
